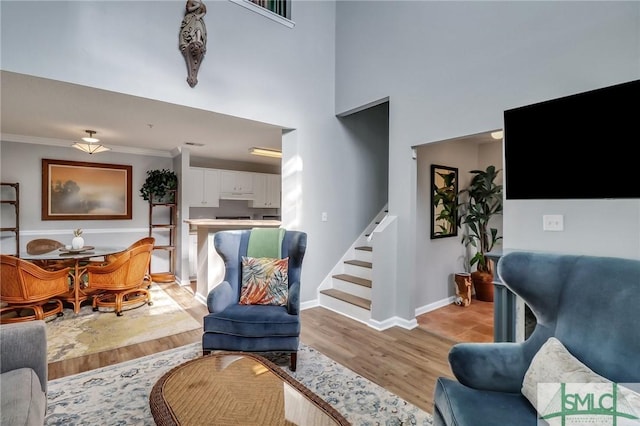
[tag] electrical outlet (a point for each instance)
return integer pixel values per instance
(324, 216)
(553, 222)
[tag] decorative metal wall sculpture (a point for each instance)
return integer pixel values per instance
(193, 38)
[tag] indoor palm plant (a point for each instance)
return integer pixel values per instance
(477, 205)
(159, 184)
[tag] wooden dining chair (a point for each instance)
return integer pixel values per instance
(46, 245)
(43, 245)
(142, 241)
(120, 283)
(29, 292)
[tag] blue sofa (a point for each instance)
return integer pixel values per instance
(591, 304)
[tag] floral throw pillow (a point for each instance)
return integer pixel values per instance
(265, 281)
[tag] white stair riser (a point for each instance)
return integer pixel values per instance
(345, 308)
(357, 271)
(351, 288)
(364, 255)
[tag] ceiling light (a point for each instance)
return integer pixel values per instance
(498, 134)
(90, 138)
(265, 152)
(91, 146)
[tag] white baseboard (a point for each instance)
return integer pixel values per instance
(435, 305)
(393, 322)
(310, 304)
(200, 298)
(377, 325)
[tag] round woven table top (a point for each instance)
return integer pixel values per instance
(236, 388)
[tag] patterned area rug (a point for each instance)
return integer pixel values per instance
(120, 393)
(90, 332)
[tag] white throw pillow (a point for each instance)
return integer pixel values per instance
(554, 364)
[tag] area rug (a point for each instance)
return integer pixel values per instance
(87, 332)
(119, 394)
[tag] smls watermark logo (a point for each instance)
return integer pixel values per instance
(573, 404)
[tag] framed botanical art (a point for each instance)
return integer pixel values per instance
(444, 201)
(74, 190)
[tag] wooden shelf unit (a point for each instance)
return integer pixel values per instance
(171, 226)
(15, 202)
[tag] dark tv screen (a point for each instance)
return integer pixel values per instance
(582, 146)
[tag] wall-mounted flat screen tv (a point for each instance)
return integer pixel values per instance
(582, 146)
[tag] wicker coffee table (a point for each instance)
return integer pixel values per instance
(236, 388)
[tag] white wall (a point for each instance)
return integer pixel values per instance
(254, 68)
(451, 69)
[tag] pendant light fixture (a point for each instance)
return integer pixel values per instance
(90, 144)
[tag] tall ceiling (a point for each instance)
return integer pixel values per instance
(57, 113)
(39, 110)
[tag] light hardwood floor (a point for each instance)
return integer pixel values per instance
(405, 362)
(473, 323)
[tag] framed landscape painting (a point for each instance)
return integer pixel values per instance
(74, 190)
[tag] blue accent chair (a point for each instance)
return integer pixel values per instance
(589, 303)
(253, 328)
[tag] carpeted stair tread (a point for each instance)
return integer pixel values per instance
(365, 248)
(353, 279)
(349, 298)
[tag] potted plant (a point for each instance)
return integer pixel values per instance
(477, 205)
(158, 185)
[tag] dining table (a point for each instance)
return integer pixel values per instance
(78, 292)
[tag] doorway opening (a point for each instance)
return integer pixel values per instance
(473, 323)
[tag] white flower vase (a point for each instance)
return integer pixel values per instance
(77, 243)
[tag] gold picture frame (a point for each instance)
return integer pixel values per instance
(75, 190)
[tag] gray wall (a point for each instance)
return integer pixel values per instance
(366, 152)
(254, 68)
(22, 162)
(434, 273)
(450, 69)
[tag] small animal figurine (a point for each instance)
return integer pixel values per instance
(463, 289)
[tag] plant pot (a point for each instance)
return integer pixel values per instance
(483, 284)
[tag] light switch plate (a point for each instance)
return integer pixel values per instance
(553, 222)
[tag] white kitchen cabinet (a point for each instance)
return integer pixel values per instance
(236, 185)
(202, 187)
(267, 190)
